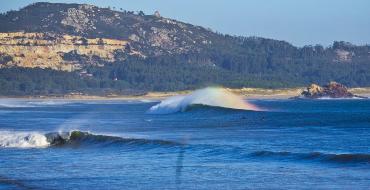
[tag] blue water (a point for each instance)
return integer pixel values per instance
(292, 144)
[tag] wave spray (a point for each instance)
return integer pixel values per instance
(211, 96)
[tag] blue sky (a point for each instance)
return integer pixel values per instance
(300, 22)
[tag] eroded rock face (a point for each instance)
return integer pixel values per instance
(314, 89)
(152, 35)
(78, 18)
(331, 90)
(156, 36)
(50, 51)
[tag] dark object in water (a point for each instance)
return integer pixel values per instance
(331, 90)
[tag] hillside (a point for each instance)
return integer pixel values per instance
(99, 50)
(44, 50)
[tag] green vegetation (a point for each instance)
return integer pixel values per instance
(26, 81)
(133, 76)
(169, 73)
(185, 57)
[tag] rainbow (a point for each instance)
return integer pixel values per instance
(211, 96)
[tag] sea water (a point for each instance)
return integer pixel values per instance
(285, 144)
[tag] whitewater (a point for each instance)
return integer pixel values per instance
(23, 139)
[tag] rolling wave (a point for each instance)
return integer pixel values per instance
(318, 156)
(27, 103)
(10, 103)
(213, 97)
(23, 103)
(50, 102)
(239, 153)
(86, 139)
(73, 138)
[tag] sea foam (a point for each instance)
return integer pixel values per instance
(211, 96)
(75, 138)
(24, 103)
(23, 139)
(13, 103)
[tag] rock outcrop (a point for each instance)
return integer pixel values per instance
(331, 90)
(151, 34)
(45, 50)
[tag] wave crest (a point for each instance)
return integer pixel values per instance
(73, 138)
(213, 97)
(326, 157)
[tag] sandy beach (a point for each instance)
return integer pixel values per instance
(249, 93)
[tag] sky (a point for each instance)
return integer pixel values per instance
(300, 22)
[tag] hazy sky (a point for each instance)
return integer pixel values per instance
(301, 22)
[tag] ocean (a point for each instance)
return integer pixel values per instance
(184, 143)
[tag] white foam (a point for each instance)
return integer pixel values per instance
(22, 139)
(12, 103)
(349, 98)
(146, 100)
(217, 97)
(24, 103)
(48, 102)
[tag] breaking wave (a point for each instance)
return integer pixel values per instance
(212, 97)
(23, 140)
(73, 138)
(86, 139)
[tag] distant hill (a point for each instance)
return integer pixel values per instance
(102, 50)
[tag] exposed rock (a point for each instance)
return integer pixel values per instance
(157, 14)
(161, 37)
(152, 35)
(134, 37)
(331, 90)
(49, 51)
(78, 19)
(313, 89)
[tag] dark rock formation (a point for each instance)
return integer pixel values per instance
(331, 90)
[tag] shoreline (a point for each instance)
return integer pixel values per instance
(249, 93)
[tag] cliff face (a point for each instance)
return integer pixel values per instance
(59, 36)
(52, 51)
(152, 34)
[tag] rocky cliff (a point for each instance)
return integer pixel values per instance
(152, 33)
(47, 50)
(40, 34)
